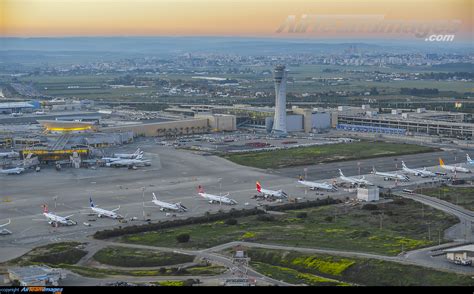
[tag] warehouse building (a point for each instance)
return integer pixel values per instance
(17, 107)
(461, 254)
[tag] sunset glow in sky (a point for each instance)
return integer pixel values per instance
(26, 18)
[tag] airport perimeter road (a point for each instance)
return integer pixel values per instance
(421, 257)
(442, 205)
(96, 245)
(390, 163)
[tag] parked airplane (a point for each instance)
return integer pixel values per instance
(453, 168)
(134, 155)
(168, 206)
(9, 154)
(214, 198)
(5, 231)
(469, 160)
(354, 181)
(314, 185)
(270, 193)
(12, 171)
(390, 176)
(418, 172)
(103, 212)
(56, 220)
(128, 162)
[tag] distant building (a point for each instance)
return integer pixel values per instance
(461, 254)
(16, 107)
(368, 194)
(36, 275)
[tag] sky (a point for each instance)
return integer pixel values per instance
(59, 18)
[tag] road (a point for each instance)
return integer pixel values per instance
(442, 205)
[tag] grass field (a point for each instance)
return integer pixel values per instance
(93, 272)
(318, 269)
(132, 257)
(389, 229)
(462, 196)
(324, 154)
(58, 253)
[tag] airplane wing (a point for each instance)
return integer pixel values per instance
(114, 210)
(69, 216)
(9, 221)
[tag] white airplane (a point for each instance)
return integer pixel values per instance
(5, 231)
(168, 206)
(214, 198)
(103, 212)
(270, 193)
(9, 154)
(134, 155)
(314, 185)
(56, 220)
(390, 176)
(12, 171)
(128, 162)
(469, 160)
(453, 168)
(354, 181)
(418, 172)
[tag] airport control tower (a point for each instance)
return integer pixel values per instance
(279, 122)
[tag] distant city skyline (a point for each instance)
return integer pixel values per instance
(259, 18)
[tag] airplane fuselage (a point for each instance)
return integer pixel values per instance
(314, 185)
(217, 199)
(102, 212)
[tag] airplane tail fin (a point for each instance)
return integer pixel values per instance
(45, 208)
(90, 202)
(200, 189)
(259, 187)
(301, 178)
(340, 173)
(374, 170)
(468, 158)
(403, 164)
(441, 162)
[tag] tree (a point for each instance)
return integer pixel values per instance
(231, 222)
(183, 238)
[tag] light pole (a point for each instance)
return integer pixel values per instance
(143, 200)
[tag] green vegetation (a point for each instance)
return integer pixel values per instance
(391, 228)
(171, 283)
(57, 253)
(293, 276)
(294, 267)
(93, 272)
(462, 196)
(324, 154)
(132, 257)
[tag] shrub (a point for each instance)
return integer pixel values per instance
(370, 207)
(162, 270)
(183, 238)
(265, 218)
(329, 218)
(231, 222)
(302, 215)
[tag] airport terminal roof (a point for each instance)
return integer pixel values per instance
(464, 248)
(16, 105)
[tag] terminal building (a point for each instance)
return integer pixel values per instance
(433, 123)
